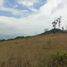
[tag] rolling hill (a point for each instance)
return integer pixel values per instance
(33, 51)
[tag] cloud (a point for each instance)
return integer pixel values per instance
(11, 8)
(39, 3)
(37, 21)
(50, 6)
(6, 10)
(1, 3)
(26, 2)
(19, 8)
(31, 25)
(54, 9)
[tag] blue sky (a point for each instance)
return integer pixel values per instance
(30, 17)
(20, 7)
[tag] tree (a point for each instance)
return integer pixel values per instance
(62, 28)
(54, 24)
(59, 21)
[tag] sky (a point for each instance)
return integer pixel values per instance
(30, 17)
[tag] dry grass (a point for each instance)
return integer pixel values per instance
(31, 52)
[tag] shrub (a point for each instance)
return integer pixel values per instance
(58, 59)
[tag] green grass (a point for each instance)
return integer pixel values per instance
(37, 51)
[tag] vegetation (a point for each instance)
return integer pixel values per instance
(54, 31)
(58, 59)
(57, 22)
(38, 51)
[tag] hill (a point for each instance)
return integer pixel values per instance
(31, 52)
(53, 31)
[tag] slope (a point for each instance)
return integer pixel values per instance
(31, 52)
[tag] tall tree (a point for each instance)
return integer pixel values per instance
(58, 20)
(54, 24)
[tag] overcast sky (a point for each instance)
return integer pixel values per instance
(30, 17)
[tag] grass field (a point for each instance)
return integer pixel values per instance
(32, 52)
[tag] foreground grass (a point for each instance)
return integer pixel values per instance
(36, 51)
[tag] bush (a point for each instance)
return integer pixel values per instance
(19, 37)
(58, 59)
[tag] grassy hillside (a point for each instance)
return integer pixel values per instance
(32, 52)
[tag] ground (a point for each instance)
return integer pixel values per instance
(31, 52)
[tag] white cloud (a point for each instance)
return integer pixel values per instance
(17, 12)
(54, 9)
(30, 25)
(26, 2)
(1, 3)
(14, 11)
(37, 22)
(49, 6)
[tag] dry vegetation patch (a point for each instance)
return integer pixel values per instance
(33, 52)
